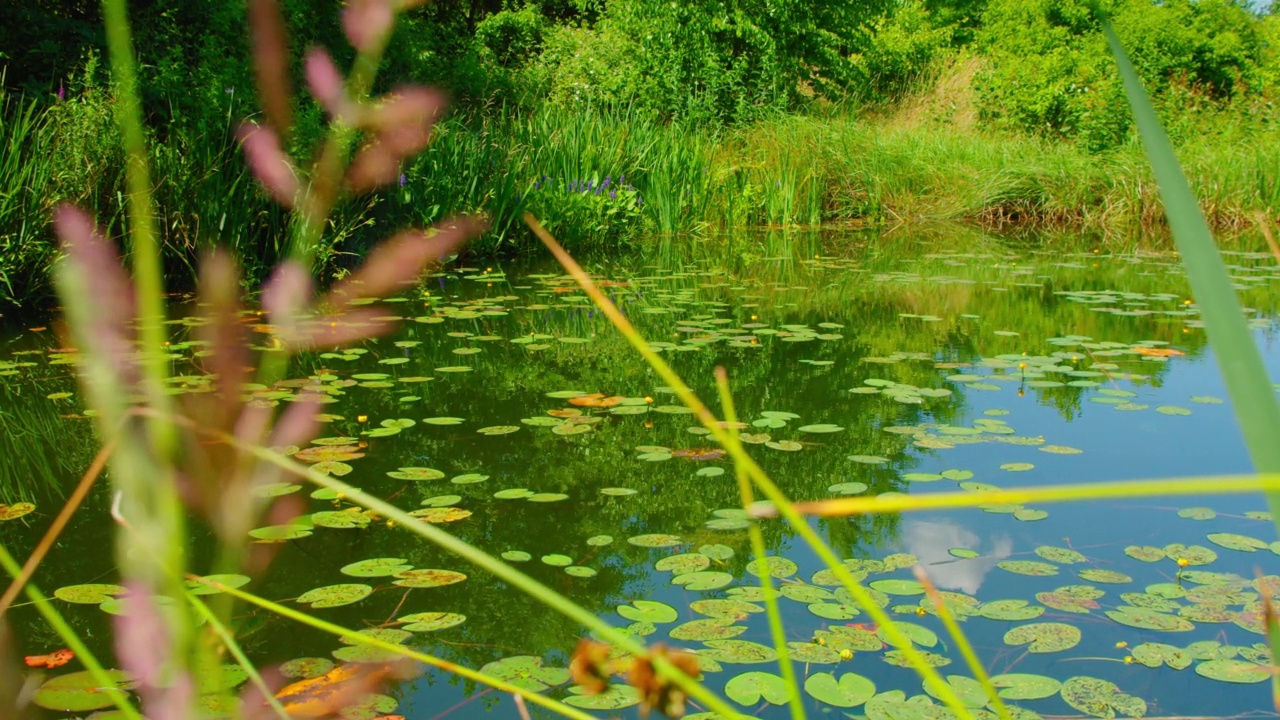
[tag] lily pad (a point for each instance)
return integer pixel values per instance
(79, 691)
(648, 611)
(90, 594)
(416, 473)
(969, 691)
(1034, 568)
(750, 688)
(375, 567)
(335, 595)
(428, 578)
(1157, 654)
(616, 697)
(1063, 556)
(1044, 637)
(778, 567)
(1101, 698)
(1100, 575)
(893, 586)
(431, 621)
(1145, 553)
(743, 652)
(1232, 541)
(655, 540)
(704, 580)
(1015, 610)
(1233, 671)
(1025, 686)
(1149, 619)
(527, 671)
(849, 690)
(707, 629)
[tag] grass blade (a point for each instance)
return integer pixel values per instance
(1252, 396)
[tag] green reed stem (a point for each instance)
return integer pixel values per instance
(229, 642)
(1123, 489)
(362, 639)
(69, 636)
(484, 561)
(894, 635)
(1252, 398)
(776, 628)
(962, 642)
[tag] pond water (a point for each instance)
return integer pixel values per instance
(863, 365)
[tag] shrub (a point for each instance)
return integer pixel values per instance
(1048, 69)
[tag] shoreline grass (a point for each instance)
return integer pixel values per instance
(615, 180)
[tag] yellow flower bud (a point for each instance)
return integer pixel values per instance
(1122, 644)
(846, 654)
(1183, 562)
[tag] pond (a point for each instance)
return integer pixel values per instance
(510, 413)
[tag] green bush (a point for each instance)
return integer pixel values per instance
(512, 36)
(903, 51)
(1049, 72)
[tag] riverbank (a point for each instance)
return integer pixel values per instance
(613, 180)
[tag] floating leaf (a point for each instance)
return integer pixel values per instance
(1233, 671)
(431, 621)
(1197, 513)
(1145, 553)
(1063, 556)
(1044, 637)
(898, 587)
(504, 429)
(375, 567)
(416, 473)
(1104, 576)
(655, 540)
(79, 691)
(807, 652)
(1017, 467)
(648, 611)
(1232, 541)
(1101, 698)
(742, 652)
(335, 595)
(705, 580)
(1193, 554)
(616, 697)
(516, 556)
(1010, 610)
(683, 563)
(528, 672)
(850, 690)
(1157, 654)
(1149, 619)
(778, 567)
(1024, 686)
(90, 594)
(707, 629)
(1028, 567)
(600, 540)
(969, 691)
(428, 578)
(820, 428)
(750, 688)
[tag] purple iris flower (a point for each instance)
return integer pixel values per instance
(403, 180)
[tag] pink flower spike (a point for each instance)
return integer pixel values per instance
(327, 85)
(376, 164)
(366, 22)
(285, 297)
(271, 62)
(401, 259)
(269, 163)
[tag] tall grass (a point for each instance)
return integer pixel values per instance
(778, 172)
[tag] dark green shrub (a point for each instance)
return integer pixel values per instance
(902, 52)
(512, 36)
(1048, 70)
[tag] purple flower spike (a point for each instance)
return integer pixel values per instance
(613, 194)
(403, 180)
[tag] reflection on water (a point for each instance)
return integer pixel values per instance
(862, 364)
(934, 543)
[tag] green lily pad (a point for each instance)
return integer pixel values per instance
(969, 691)
(280, 533)
(1101, 698)
(1233, 671)
(1193, 554)
(892, 586)
(648, 611)
(1034, 568)
(707, 629)
(725, 608)
(428, 578)
(1025, 686)
(805, 593)
(557, 560)
(439, 501)
(335, 595)
(778, 567)
(444, 420)
(526, 671)
(918, 634)
(90, 594)
(820, 428)
(431, 621)
(79, 691)
(683, 563)
(504, 429)
(1145, 553)
(849, 690)
(1149, 619)
(469, 479)
(1015, 610)
(1017, 467)
(750, 688)
(848, 488)
(581, 571)
(704, 580)
(616, 697)
(1232, 541)
(600, 540)
(375, 567)
(868, 459)
(742, 652)
(1197, 513)
(1063, 556)
(807, 652)
(897, 658)
(717, 552)
(655, 540)
(306, 667)
(516, 556)
(513, 494)
(1156, 654)
(416, 473)
(227, 579)
(1044, 637)
(835, 610)
(1104, 576)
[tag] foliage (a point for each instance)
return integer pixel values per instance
(1048, 71)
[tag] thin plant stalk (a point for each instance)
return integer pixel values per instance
(1123, 489)
(229, 642)
(1252, 398)
(776, 629)
(480, 559)
(962, 642)
(401, 650)
(59, 523)
(73, 641)
(894, 635)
